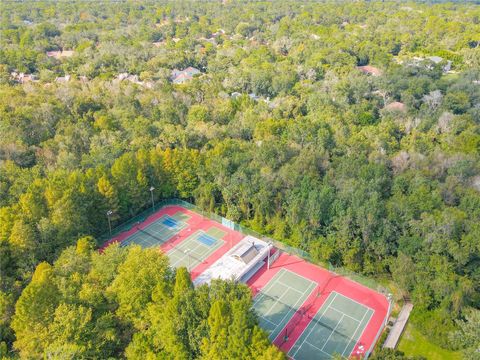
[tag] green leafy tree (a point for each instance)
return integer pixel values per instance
(34, 312)
(141, 273)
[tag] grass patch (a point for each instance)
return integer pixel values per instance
(413, 343)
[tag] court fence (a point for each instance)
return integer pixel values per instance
(143, 215)
(127, 225)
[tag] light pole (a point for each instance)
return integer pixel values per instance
(268, 261)
(188, 255)
(109, 213)
(151, 193)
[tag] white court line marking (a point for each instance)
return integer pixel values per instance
(265, 319)
(156, 223)
(313, 327)
(290, 287)
(352, 338)
(353, 335)
(192, 260)
(335, 328)
(277, 278)
(311, 286)
(190, 238)
(160, 227)
(351, 317)
(273, 281)
(192, 245)
(294, 306)
(363, 306)
(306, 342)
(355, 301)
(258, 297)
(184, 255)
(209, 248)
(177, 222)
(301, 276)
(270, 284)
(363, 330)
(277, 300)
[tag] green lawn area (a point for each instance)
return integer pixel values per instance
(414, 343)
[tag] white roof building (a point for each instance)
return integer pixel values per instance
(238, 263)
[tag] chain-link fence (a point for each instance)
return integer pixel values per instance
(368, 282)
(127, 225)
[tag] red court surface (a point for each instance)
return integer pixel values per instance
(194, 223)
(327, 282)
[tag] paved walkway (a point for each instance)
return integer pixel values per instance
(398, 327)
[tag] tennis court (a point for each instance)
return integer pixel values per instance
(196, 248)
(280, 298)
(156, 233)
(335, 329)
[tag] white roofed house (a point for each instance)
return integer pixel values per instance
(63, 79)
(437, 60)
(134, 79)
(60, 54)
(217, 33)
(427, 62)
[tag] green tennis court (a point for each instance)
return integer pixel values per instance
(196, 248)
(335, 329)
(158, 232)
(278, 301)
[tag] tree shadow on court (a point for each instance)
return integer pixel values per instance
(304, 309)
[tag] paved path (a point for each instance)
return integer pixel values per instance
(398, 327)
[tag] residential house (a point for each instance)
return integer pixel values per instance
(370, 70)
(60, 54)
(427, 62)
(437, 60)
(23, 78)
(63, 79)
(218, 33)
(182, 76)
(396, 106)
(254, 96)
(134, 79)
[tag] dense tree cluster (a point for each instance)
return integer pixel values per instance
(129, 301)
(307, 151)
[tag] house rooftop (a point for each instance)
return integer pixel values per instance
(396, 106)
(435, 59)
(370, 70)
(60, 54)
(181, 76)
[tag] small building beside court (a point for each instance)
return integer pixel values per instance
(239, 263)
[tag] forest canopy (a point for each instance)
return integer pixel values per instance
(350, 130)
(129, 301)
